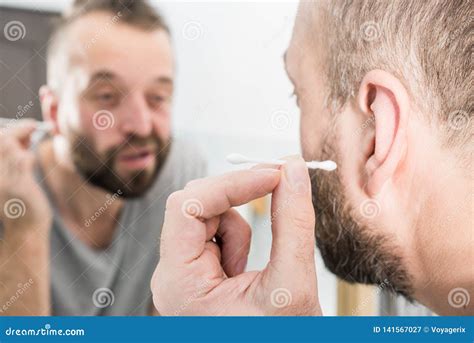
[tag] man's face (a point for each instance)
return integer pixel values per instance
(114, 108)
(351, 246)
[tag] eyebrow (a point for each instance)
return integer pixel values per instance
(164, 80)
(107, 75)
(102, 75)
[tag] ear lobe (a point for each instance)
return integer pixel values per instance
(49, 107)
(383, 96)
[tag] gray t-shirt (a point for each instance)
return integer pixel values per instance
(116, 280)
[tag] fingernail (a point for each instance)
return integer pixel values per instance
(296, 174)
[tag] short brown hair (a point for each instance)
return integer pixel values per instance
(137, 13)
(428, 45)
(134, 12)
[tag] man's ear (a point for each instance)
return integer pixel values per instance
(49, 106)
(383, 96)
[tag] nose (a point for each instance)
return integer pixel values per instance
(137, 117)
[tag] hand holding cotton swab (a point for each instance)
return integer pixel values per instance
(40, 125)
(239, 158)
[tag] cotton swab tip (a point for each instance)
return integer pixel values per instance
(236, 158)
(326, 165)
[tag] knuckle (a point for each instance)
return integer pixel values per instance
(193, 183)
(228, 189)
(175, 199)
(228, 184)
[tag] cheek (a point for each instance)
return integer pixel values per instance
(308, 138)
(87, 122)
(103, 140)
(162, 126)
(314, 129)
(100, 128)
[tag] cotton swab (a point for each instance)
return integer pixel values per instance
(40, 125)
(239, 158)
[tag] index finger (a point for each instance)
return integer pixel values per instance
(184, 229)
(20, 130)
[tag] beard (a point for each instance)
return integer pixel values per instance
(99, 168)
(353, 251)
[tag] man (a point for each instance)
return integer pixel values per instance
(384, 90)
(80, 226)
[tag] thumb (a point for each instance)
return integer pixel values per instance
(293, 219)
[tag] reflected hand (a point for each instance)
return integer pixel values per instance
(23, 204)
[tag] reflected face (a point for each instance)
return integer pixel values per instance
(351, 247)
(143, 158)
(114, 108)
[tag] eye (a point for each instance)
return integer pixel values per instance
(156, 101)
(107, 98)
(158, 98)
